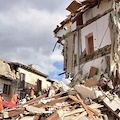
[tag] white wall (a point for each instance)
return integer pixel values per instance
(99, 63)
(98, 29)
(31, 78)
(95, 11)
(62, 32)
(73, 26)
(75, 71)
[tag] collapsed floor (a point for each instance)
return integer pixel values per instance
(79, 103)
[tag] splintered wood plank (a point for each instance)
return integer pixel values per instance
(74, 6)
(13, 112)
(75, 111)
(73, 108)
(57, 95)
(54, 116)
(39, 98)
(86, 108)
(93, 106)
(36, 110)
(37, 117)
(34, 100)
(79, 116)
(52, 102)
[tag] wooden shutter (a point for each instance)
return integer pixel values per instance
(39, 85)
(9, 86)
(6, 89)
(22, 80)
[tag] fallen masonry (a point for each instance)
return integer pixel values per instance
(91, 49)
(92, 104)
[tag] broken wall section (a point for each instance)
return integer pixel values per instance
(5, 70)
(114, 25)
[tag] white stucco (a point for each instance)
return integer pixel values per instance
(63, 31)
(60, 33)
(32, 78)
(93, 12)
(101, 33)
(73, 26)
(75, 71)
(99, 63)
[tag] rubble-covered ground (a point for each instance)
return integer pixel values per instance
(90, 100)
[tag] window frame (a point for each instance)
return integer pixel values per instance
(6, 89)
(22, 80)
(22, 77)
(88, 44)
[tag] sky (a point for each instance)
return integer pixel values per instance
(26, 33)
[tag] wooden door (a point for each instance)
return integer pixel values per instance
(91, 45)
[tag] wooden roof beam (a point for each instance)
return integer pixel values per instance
(74, 6)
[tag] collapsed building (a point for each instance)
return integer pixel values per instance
(90, 39)
(17, 78)
(78, 103)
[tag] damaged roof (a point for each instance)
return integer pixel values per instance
(27, 68)
(67, 20)
(49, 80)
(6, 77)
(76, 8)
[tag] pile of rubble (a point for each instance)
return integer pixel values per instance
(86, 101)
